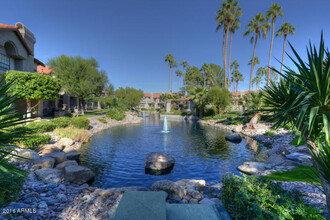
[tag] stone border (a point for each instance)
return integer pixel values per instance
(181, 117)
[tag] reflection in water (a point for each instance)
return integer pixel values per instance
(117, 155)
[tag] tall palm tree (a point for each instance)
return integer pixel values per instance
(169, 58)
(179, 74)
(234, 25)
(184, 65)
(285, 29)
(273, 12)
(261, 72)
(257, 26)
(238, 77)
(174, 65)
(227, 13)
(258, 78)
(205, 68)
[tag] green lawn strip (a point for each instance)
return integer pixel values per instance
(301, 174)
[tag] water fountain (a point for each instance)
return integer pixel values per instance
(165, 130)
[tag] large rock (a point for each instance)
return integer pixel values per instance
(159, 161)
(303, 149)
(26, 153)
(173, 189)
(253, 167)
(191, 182)
(234, 138)
(47, 148)
(277, 149)
(275, 160)
(238, 128)
(73, 155)
(50, 176)
(65, 142)
(45, 162)
(304, 159)
(58, 156)
(78, 174)
(66, 163)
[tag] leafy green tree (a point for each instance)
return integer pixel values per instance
(273, 12)
(33, 87)
(220, 97)
(193, 76)
(285, 30)
(79, 76)
(257, 26)
(198, 94)
(130, 96)
(310, 108)
(169, 58)
(219, 75)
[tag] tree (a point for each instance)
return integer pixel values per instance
(261, 72)
(179, 75)
(273, 12)
(198, 94)
(169, 58)
(310, 108)
(33, 87)
(218, 74)
(257, 26)
(228, 12)
(174, 65)
(79, 76)
(130, 96)
(193, 76)
(220, 97)
(184, 65)
(237, 77)
(285, 29)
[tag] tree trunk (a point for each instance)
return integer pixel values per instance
(172, 80)
(230, 41)
(227, 33)
(99, 105)
(325, 183)
(200, 109)
(169, 77)
(270, 52)
(252, 64)
(224, 56)
(81, 100)
(283, 55)
(28, 108)
(237, 87)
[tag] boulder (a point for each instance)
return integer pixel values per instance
(207, 201)
(47, 148)
(50, 176)
(238, 128)
(304, 159)
(58, 156)
(73, 155)
(66, 163)
(65, 142)
(191, 182)
(253, 167)
(303, 149)
(44, 162)
(173, 189)
(78, 174)
(275, 160)
(277, 149)
(234, 138)
(159, 161)
(26, 153)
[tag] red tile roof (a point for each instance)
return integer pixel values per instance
(44, 70)
(239, 93)
(14, 28)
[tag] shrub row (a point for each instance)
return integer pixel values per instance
(102, 120)
(115, 114)
(34, 141)
(259, 198)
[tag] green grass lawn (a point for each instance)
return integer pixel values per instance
(301, 174)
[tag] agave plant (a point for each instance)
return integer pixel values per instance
(309, 106)
(9, 118)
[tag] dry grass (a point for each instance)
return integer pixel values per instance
(76, 134)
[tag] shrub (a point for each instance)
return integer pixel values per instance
(270, 133)
(61, 122)
(82, 123)
(115, 114)
(259, 198)
(211, 111)
(41, 126)
(102, 120)
(34, 141)
(10, 187)
(76, 134)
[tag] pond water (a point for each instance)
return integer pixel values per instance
(117, 154)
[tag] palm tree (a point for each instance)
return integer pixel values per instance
(257, 26)
(261, 72)
(169, 58)
(273, 12)
(179, 75)
(174, 65)
(285, 29)
(238, 77)
(184, 64)
(257, 80)
(198, 95)
(234, 66)
(227, 13)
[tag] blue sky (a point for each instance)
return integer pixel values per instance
(130, 38)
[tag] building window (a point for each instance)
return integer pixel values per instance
(4, 63)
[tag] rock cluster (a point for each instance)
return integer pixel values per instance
(159, 161)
